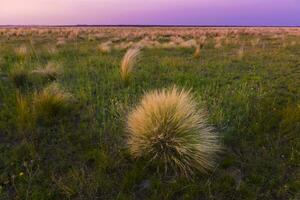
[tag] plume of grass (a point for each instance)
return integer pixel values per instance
(167, 128)
(197, 52)
(127, 64)
(52, 102)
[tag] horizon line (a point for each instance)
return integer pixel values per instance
(150, 25)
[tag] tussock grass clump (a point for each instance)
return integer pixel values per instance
(105, 47)
(128, 62)
(50, 72)
(19, 76)
(52, 102)
(168, 128)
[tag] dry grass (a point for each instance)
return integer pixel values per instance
(50, 72)
(21, 51)
(168, 128)
(128, 62)
(60, 42)
(105, 47)
(241, 52)
(52, 101)
(188, 44)
(197, 52)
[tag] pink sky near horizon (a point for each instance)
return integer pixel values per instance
(147, 12)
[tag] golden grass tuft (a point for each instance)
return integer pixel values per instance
(197, 52)
(105, 47)
(52, 102)
(168, 128)
(128, 62)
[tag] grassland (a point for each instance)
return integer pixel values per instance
(247, 78)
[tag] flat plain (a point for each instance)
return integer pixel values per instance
(75, 146)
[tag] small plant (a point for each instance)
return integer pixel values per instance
(50, 72)
(52, 102)
(168, 128)
(128, 62)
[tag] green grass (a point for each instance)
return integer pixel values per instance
(253, 102)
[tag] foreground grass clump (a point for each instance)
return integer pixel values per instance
(168, 128)
(127, 64)
(52, 102)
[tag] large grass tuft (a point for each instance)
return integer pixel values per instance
(168, 128)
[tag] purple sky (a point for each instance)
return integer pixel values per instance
(161, 12)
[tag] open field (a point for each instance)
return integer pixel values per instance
(64, 108)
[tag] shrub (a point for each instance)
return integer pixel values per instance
(168, 128)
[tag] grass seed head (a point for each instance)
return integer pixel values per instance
(128, 62)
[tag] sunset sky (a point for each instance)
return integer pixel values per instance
(147, 12)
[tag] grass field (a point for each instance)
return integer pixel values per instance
(74, 147)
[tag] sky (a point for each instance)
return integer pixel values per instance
(150, 12)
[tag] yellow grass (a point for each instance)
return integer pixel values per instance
(168, 128)
(128, 62)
